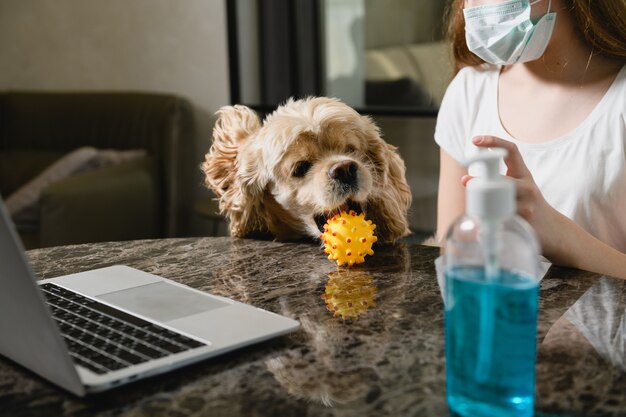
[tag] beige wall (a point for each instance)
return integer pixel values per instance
(156, 45)
(169, 46)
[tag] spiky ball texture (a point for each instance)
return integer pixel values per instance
(348, 237)
(349, 294)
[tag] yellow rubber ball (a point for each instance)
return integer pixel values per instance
(348, 238)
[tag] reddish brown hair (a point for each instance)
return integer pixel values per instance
(600, 23)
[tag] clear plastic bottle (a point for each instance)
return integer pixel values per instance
(491, 267)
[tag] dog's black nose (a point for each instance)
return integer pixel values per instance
(343, 172)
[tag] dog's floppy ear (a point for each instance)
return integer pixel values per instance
(399, 192)
(234, 171)
(232, 130)
(393, 198)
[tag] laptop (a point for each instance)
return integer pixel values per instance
(95, 330)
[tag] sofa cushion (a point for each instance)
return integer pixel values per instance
(23, 204)
(18, 166)
(118, 202)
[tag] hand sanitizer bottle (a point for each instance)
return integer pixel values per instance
(491, 267)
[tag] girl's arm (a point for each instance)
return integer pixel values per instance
(563, 241)
(451, 194)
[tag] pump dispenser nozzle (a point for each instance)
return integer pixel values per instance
(491, 196)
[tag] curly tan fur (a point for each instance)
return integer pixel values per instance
(254, 170)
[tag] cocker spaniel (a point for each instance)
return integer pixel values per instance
(308, 160)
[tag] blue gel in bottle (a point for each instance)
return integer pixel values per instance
(505, 386)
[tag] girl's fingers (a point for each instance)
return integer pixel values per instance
(514, 162)
(465, 179)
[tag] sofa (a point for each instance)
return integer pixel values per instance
(408, 75)
(145, 189)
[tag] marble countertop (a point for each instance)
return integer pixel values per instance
(383, 356)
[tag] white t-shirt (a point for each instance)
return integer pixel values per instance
(582, 174)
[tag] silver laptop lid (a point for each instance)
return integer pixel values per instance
(28, 334)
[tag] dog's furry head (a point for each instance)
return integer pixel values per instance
(308, 160)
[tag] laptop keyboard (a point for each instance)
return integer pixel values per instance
(104, 339)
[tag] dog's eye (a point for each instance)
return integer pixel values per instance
(301, 169)
(349, 149)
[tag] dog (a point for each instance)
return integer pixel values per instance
(310, 159)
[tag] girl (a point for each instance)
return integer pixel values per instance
(547, 82)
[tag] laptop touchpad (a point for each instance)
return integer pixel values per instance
(162, 301)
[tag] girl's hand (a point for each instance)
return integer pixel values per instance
(531, 204)
(562, 241)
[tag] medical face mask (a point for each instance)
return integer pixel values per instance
(503, 33)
